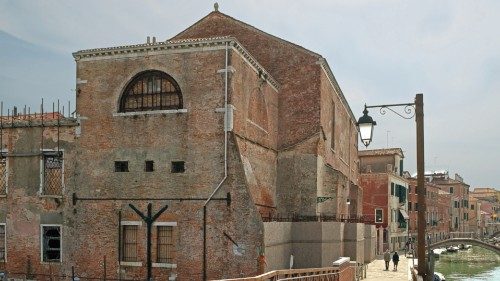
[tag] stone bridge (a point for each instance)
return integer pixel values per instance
(470, 241)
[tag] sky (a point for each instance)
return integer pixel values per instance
(381, 52)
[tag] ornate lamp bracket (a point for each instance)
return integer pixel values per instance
(407, 112)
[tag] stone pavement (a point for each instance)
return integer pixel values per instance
(376, 269)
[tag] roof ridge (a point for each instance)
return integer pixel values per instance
(303, 49)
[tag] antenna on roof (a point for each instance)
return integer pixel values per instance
(216, 6)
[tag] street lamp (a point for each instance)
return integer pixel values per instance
(366, 124)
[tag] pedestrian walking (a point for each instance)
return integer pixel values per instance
(407, 247)
(395, 260)
(387, 259)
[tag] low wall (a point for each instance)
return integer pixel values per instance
(312, 244)
(354, 241)
(370, 243)
(342, 270)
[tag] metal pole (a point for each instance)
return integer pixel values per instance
(419, 118)
(204, 242)
(149, 224)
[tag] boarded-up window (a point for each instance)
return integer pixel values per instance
(51, 243)
(3, 173)
(129, 243)
(165, 244)
(2, 242)
(52, 173)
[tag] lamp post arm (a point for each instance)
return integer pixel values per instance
(408, 111)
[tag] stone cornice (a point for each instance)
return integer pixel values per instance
(181, 46)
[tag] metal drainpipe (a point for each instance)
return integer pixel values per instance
(225, 170)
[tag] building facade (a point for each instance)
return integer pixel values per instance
(438, 209)
(184, 153)
(385, 196)
(459, 192)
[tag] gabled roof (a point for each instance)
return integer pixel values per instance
(287, 62)
(186, 33)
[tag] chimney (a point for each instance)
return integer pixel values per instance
(14, 112)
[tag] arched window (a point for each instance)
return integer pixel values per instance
(151, 90)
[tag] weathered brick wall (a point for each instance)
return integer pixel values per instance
(23, 209)
(256, 129)
(294, 67)
(376, 195)
(195, 137)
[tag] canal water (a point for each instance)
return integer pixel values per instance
(472, 265)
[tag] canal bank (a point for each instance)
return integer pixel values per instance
(473, 264)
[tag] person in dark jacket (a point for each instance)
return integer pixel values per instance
(395, 260)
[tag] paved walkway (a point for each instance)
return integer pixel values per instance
(376, 270)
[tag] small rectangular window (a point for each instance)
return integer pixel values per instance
(2, 243)
(149, 166)
(165, 246)
(129, 243)
(392, 188)
(52, 173)
(178, 167)
(121, 166)
(379, 216)
(451, 189)
(472, 207)
(51, 243)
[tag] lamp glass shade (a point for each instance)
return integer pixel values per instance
(366, 132)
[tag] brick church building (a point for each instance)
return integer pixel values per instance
(223, 127)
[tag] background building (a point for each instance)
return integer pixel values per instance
(459, 192)
(385, 196)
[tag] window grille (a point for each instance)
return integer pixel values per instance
(52, 176)
(3, 174)
(51, 245)
(151, 90)
(129, 243)
(165, 245)
(2, 242)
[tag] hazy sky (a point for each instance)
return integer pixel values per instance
(381, 52)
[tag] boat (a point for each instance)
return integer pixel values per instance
(467, 246)
(439, 251)
(452, 249)
(438, 277)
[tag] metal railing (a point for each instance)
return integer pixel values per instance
(463, 235)
(269, 217)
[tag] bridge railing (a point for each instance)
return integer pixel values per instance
(342, 270)
(471, 235)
